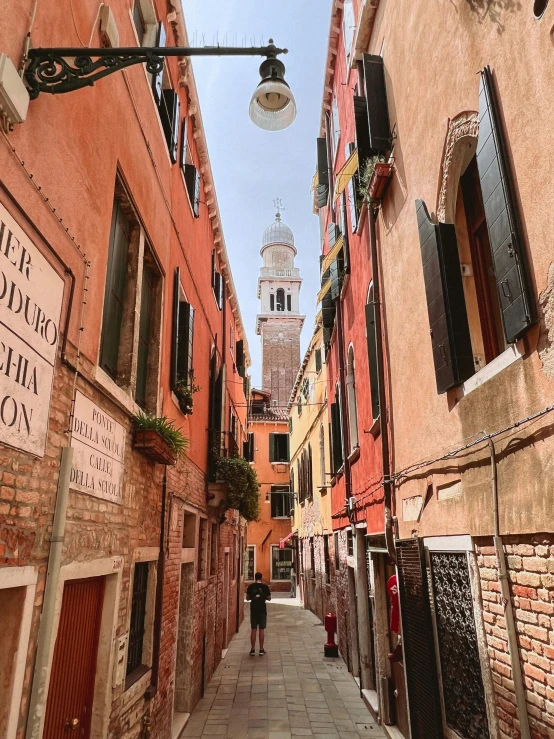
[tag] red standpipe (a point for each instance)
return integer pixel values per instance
(331, 649)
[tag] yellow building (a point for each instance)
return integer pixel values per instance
(311, 481)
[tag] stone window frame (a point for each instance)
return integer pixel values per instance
(250, 546)
(459, 545)
(151, 556)
(19, 578)
(140, 255)
(272, 579)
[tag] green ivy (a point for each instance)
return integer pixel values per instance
(242, 486)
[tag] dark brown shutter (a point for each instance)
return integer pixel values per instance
(450, 339)
(239, 358)
(213, 269)
(116, 278)
(372, 356)
(362, 130)
(328, 311)
(175, 332)
(184, 144)
(186, 340)
(146, 300)
(344, 229)
(505, 236)
(418, 644)
(158, 78)
(318, 360)
(336, 436)
(377, 107)
(190, 182)
(322, 172)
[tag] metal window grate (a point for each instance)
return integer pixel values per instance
(138, 617)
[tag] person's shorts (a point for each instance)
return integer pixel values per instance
(258, 620)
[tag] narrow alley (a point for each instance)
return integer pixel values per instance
(291, 692)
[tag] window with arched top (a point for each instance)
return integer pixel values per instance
(280, 299)
(351, 400)
(271, 301)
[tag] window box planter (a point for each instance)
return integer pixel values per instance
(379, 180)
(154, 446)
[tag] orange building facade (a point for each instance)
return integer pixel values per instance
(112, 238)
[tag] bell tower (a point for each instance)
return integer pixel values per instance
(279, 321)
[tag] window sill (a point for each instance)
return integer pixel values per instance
(501, 362)
(375, 428)
(135, 676)
(114, 392)
(280, 518)
(354, 455)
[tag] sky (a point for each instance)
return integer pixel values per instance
(252, 167)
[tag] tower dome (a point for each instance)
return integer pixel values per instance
(278, 233)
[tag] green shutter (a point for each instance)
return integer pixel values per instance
(184, 144)
(144, 337)
(272, 448)
(116, 277)
(372, 355)
(318, 360)
(288, 447)
(175, 329)
(323, 173)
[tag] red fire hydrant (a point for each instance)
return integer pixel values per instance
(331, 649)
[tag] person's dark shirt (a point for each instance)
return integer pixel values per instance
(258, 592)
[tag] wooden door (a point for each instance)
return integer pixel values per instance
(70, 695)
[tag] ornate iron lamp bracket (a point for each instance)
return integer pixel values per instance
(60, 70)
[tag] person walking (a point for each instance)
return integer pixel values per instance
(258, 593)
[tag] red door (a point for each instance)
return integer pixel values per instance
(70, 695)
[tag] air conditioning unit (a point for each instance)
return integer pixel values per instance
(14, 97)
(351, 503)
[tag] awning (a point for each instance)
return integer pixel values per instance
(315, 181)
(345, 173)
(324, 290)
(319, 318)
(333, 254)
(282, 542)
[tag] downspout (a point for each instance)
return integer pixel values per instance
(153, 688)
(383, 411)
(508, 607)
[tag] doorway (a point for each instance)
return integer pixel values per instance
(226, 595)
(399, 698)
(182, 700)
(71, 691)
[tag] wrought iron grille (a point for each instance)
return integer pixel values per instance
(138, 614)
(462, 683)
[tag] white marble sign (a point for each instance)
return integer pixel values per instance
(98, 443)
(31, 295)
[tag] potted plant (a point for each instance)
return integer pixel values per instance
(158, 439)
(242, 485)
(375, 175)
(184, 391)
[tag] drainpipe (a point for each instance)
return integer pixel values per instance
(153, 687)
(46, 632)
(383, 411)
(508, 608)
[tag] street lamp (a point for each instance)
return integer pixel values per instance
(60, 70)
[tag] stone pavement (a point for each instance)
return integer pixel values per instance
(291, 692)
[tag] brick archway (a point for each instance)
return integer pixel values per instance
(462, 129)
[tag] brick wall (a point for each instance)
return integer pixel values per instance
(531, 573)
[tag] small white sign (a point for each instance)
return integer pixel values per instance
(31, 295)
(98, 443)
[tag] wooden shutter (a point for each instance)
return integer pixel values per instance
(239, 358)
(184, 144)
(196, 200)
(146, 299)
(344, 229)
(158, 78)
(323, 173)
(376, 98)
(169, 115)
(328, 311)
(336, 436)
(372, 356)
(505, 236)
(213, 269)
(175, 333)
(318, 360)
(251, 447)
(450, 339)
(186, 340)
(272, 448)
(288, 447)
(335, 272)
(333, 233)
(362, 130)
(190, 182)
(116, 278)
(418, 643)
